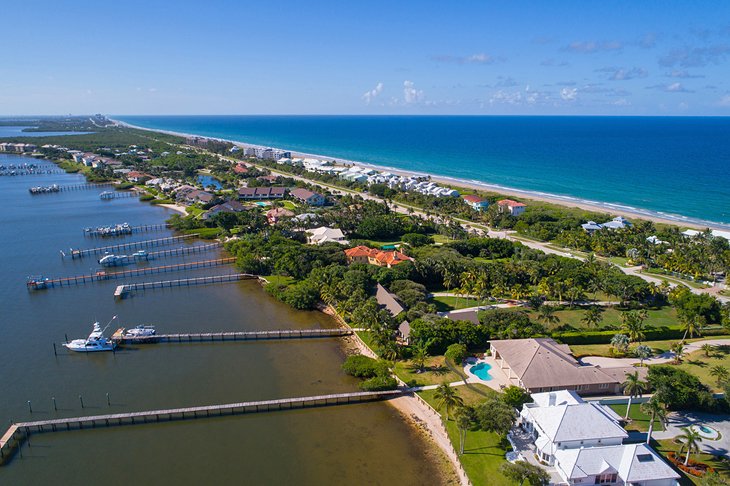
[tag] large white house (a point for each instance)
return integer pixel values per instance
(584, 442)
(321, 235)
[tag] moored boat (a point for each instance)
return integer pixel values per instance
(95, 342)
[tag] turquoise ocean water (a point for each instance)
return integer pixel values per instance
(676, 167)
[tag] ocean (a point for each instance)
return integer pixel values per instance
(674, 167)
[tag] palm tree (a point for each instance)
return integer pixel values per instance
(692, 324)
(690, 439)
(593, 316)
(657, 411)
(447, 398)
(633, 325)
(620, 342)
(642, 352)
(463, 422)
(420, 355)
(633, 387)
(708, 349)
(547, 315)
(678, 350)
(720, 373)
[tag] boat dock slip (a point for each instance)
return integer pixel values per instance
(19, 432)
(106, 231)
(78, 187)
(123, 290)
(129, 246)
(120, 338)
(118, 195)
(49, 283)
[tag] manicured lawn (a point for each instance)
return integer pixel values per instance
(448, 303)
(279, 279)
(666, 316)
(367, 338)
(721, 466)
(658, 347)
(700, 365)
(289, 205)
(436, 372)
(639, 420)
(483, 451)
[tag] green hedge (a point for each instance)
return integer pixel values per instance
(651, 334)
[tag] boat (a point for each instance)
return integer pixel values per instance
(95, 342)
(37, 282)
(140, 331)
(114, 260)
(141, 254)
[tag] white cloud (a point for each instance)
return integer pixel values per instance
(569, 94)
(725, 100)
(410, 93)
(370, 95)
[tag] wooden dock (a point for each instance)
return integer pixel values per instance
(122, 290)
(82, 187)
(107, 195)
(49, 283)
(143, 228)
(78, 253)
(17, 433)
(199, 337)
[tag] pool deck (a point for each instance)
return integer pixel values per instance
(499, 378)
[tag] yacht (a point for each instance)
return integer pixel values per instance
(114, 260)
(140, 331)
(95, 342)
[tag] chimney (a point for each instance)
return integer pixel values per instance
(552, 398)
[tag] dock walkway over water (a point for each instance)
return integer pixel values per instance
(120, 338)
(17, 433)
(50, 283)
(79, 187)
(78, 253)
(123, 290)
(105, 232)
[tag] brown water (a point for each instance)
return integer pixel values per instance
(358, 444)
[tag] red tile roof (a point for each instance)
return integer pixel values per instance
(385, 257)
(472, 199)
(511, 203)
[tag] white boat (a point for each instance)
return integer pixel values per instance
(140, 331)
(114, 260)
(95, 342)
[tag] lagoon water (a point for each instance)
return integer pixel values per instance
(357, 444)
(665, 165)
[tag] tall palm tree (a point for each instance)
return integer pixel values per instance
(420, 355)
(678, 350)
(642, 352)
(593, 316)
(690, 439)
(547, 315)
(707, 348)
(633, 326)
(633, 387)
(692, 324)
(720, 373)
(463, 422)
(656, 411)
(447, 398)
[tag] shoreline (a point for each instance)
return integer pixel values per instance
(614, 209)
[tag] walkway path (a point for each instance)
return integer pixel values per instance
(605, 362)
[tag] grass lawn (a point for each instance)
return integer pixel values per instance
(483, 451)
(448, 303)
(367, 338)
(279, 279)
(666, 316)
(658, 347)
(700, 365)
(673, 278)
(639, 420)
(620, 261)
(721, 466)
(441, 239)
(436, 372)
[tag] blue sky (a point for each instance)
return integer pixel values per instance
(332, 57)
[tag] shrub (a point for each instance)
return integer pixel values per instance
(146, 197)
(362, 366)
(680, 390)
(456, 352)
(515, 396)
(379, 383)
(416, 239)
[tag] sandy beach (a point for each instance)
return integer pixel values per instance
(175, 207)
(524, 195)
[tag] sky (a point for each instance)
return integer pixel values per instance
(379, 57)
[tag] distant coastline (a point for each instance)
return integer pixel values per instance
(562, 200)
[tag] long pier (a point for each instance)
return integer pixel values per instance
(105, 232)
(18, 433)
(128, 246)
(49, 283)
(82, 187)
(107, 195)
(123, 290)
(27, 172)
(120, 338)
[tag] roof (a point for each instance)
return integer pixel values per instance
(543, 363)
(387, 257)
(279, 213)
(387, 300)
(324, 234)
(262, 191)
(470, 315)
(511, 203)
(575, 421)
(632, 462)
(473, 199)
(405, 329)
(303, 194)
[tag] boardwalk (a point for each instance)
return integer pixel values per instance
(106, 195)
(79, 253)
(122, 230)
(123, 290)
(82, 187)
(232, 336)
(19, 432)
(49, 283)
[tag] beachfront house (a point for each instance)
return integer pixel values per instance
(372, 256)
(477, 203)
(541, 364)
(619, 222)
(308, 197)
(584, 442)
(513, 208)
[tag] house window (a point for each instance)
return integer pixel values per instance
(606, 478)
(603, 386)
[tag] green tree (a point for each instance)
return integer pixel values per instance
(690, 440)
(692, 324)
(656, 411)
(633, 387)
(720, 373)
(593, 316)
(465, 419)
(678, 350)
(420, 355)
(495, 415)
(456, 352)
(547, 315)
(708, 349)
(642, 352)
(523, 472)
(447, 398)
(620, 343)
(515, 396)
(633, 325)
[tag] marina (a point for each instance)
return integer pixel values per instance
(37, 283)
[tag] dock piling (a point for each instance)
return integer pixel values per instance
(53, 399)
(81, 399)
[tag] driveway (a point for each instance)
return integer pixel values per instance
(605, 362)
(679, 420)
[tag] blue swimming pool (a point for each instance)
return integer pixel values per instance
(481, 370)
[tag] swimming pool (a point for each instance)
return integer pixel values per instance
(481, 371)
(262, 204)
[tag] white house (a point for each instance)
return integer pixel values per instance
(619, 222)
(514, 208)
(584, 441)
(318, 236)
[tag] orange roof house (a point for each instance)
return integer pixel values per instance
(372, 256)
(512, 207)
